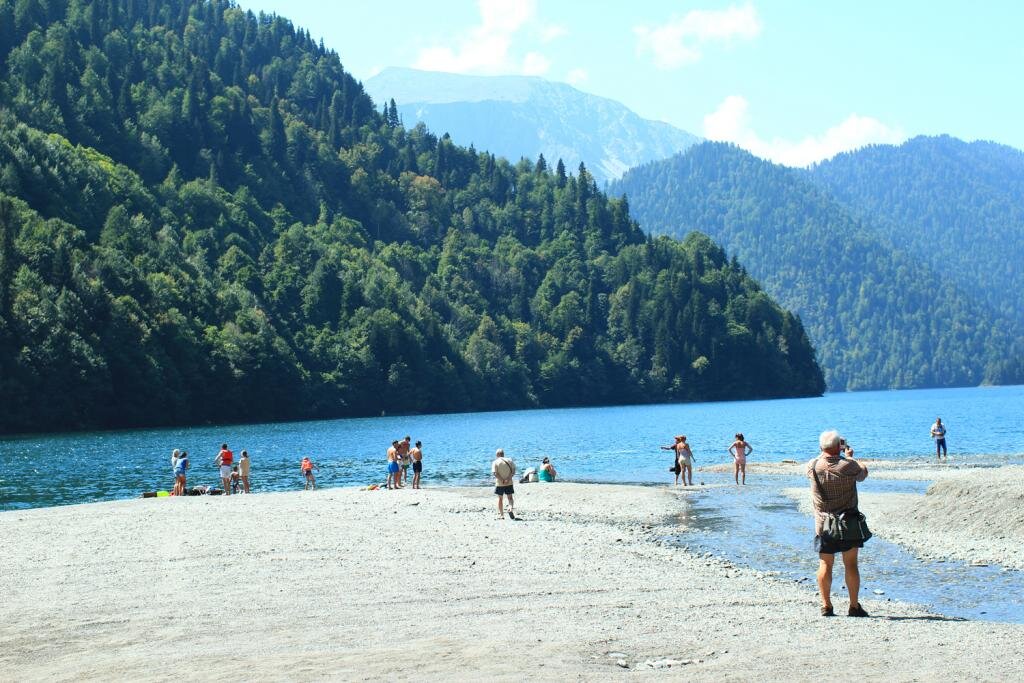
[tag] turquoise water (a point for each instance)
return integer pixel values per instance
(586, 444)
(758, 526)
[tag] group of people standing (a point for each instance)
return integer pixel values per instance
(682, 464)
(234, 476)
(401, 456)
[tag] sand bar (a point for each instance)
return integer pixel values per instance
(415, 585)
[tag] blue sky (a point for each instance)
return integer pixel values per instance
(791, 80)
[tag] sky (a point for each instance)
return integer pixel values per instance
(794, 81)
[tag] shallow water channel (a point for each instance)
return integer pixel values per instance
(758, 526)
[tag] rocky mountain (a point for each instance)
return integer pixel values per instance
(524, 116)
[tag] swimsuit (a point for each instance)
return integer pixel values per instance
(417, 466)
(392, 466)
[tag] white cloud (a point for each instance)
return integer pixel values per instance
(678, 42)
(485, 47)
(577, 76)
(535, 64)
(731, 123)
(552, 32)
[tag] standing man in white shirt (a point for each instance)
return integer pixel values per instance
(503, 470)
(939, 434)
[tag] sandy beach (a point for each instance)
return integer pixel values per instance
(413, 585)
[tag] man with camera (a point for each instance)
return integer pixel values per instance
(834, 492)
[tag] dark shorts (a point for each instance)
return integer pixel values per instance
(504, 490)
(827, 547)
(417, 466)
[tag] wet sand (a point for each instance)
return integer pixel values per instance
(428, 584)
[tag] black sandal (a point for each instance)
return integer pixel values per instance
(827, 611)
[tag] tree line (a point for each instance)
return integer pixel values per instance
(204, 218)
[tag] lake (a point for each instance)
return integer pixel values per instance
(585, 444)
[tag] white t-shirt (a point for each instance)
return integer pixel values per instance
(938, 431)
(503, 470)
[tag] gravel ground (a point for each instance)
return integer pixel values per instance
(427, 585)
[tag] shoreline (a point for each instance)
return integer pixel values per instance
(321, 584)
(912, 469)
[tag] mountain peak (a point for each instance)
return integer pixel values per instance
(525, 116)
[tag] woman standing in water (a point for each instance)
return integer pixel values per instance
(739, 450)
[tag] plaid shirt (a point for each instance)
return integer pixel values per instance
(839, 479)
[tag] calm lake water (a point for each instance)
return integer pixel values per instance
(586, 444)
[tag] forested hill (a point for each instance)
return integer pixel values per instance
(203, 218)
(879, 316)
(958, 206)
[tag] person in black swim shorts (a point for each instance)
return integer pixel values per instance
(503, 470)
(416, 454)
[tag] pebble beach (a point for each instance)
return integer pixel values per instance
(429, 585)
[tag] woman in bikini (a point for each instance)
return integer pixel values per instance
(739, 450)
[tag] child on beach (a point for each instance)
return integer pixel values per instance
(739, 450)
(236, 479)
(307, 466)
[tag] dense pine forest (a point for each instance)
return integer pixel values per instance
(203, 218)
(879, 314)
(932, 196)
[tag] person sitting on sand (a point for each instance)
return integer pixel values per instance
(683, 462)
(243, 470)
(416, 455)
(739, 450)
(503, 470)
(836, 492)
(547, 470)
(307, 466)
(939, 434)
(224, 460)
(181, 466)
(393, 466)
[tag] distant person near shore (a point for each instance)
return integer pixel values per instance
(307, 466)
(243, 469)
(403, 458)
(503, 470)
(416, 455)
(682, 464)
(939, 434)
(547, 471)
(181, 465)
(739, 450)
(224, 460)
(236, 480)
(393, 466)
(834, 489)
